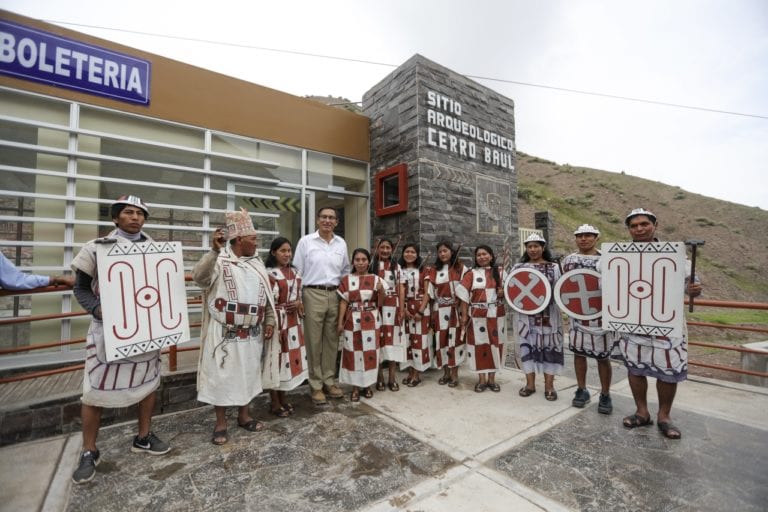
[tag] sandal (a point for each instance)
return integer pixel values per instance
(354, 396)
(494, 387)
(281, 412)
(380, 386)
(635, 420)
(368, 393)
(393, 386)
(445, 379)
(550, 395)
(526, 391)
(414, 383)
(453, 383)
(480, 387)
(289, 408)
(220, 437)
(251, 426)
(669, 430)
(407, 381)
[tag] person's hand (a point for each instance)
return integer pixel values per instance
(63, 281)
(300, 308)
(694, 289)
(339, 329)
(219, 239)
(269, 331)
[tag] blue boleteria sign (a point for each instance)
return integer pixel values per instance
(43, 57)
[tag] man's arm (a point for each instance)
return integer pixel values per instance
(299, 254)
(12, 278)
(83, 292)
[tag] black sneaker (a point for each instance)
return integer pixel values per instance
(86, 470)
(605, 406)
(150, 444)
(580, 398)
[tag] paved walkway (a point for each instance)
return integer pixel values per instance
(429, 448)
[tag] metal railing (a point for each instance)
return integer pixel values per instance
(173, 350)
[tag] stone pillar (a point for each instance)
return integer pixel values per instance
(457, 139)
(545, 222)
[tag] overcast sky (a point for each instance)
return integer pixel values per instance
(711, 54)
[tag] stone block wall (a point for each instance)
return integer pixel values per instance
(462, 183)
(25, 422)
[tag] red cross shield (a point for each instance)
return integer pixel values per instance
(578, 294)
(527, 291)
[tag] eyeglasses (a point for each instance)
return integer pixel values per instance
(327, 217)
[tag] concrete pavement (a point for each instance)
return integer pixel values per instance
(428, 448)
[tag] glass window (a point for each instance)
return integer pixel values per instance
(34, 108)
(326, 171)
(288, 160)
(140, 128)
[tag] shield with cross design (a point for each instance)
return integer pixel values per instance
(527, 291)
(578, 294)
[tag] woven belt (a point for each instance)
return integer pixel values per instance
(231, 332)
(321, 287)
(445, 301)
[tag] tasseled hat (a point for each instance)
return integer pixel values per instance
(239, 224)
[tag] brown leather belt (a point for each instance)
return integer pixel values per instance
(321, 287)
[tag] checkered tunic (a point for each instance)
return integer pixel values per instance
(541, 335)
(393, 340)
(420, 350)
(362, 324)
(487, 327)
(449, 346)
(293, 354)
(587, 337)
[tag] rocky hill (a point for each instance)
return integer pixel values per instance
(733, 262)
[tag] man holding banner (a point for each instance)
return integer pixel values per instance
(664, 357)
(123, 382)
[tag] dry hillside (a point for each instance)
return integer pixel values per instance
(733, 261)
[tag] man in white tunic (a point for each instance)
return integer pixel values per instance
(665, 359)
(238, 351)
(120, 383)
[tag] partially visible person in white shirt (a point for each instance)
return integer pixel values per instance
(12, 278)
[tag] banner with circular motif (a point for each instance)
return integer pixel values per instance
(527, 291)
(578, 294)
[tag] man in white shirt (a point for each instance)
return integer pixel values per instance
(322, 259)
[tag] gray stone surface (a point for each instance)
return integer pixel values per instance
(451, 194)
(341, 458)
(592, 463)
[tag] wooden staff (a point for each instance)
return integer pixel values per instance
(373, 257)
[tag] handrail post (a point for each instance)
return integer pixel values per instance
(172, 359)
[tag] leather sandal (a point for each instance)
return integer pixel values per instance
(453, 383)
(393, 386)
(380, 386)
(368, 393)
(526, 391)
(445, 379)
(635, 420)
(669, 430)
(480, 387)
(494, 387)
(220, 437)
(281, 412)
(354, 396)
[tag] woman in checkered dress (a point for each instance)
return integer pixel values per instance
(482, 314)
(416, 279)
(286, 283)
(360, 324)
(449, 344)
(393, 341)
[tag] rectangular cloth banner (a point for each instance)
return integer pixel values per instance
(143, 298)
(643, 287)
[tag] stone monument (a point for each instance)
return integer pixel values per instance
(457, 141)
